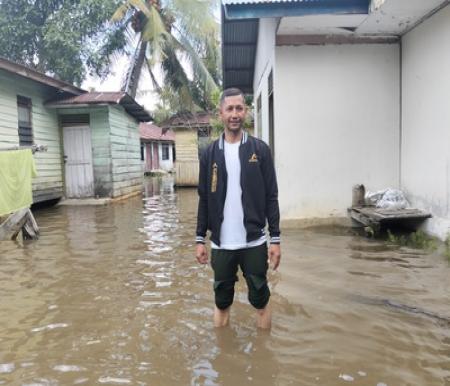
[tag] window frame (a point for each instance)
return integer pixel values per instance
(164, 148)
(25, 102)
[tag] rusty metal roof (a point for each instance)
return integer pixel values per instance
(151, 132)
(26, 72)
(187, 120)
(102, 98)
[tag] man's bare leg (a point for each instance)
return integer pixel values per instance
(221, 317)
(264, 317)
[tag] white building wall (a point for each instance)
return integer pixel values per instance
(166, 165)
(336, 125)
(264, 63)
(425, 157)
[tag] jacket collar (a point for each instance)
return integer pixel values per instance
(222, 139)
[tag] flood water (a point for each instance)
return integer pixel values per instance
(112, 295)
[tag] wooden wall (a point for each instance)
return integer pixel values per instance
(127, 170)
(49, 182)
(187, 163)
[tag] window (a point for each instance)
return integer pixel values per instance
(165, 151)
(24, 115)
(142, 152)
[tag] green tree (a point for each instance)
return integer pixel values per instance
(63, 38)
(181, 37)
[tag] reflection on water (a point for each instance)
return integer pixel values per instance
(112, 295)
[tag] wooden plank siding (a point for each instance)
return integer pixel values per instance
(49, 182)
(186, 145)
(127, 171)
(101, 146)
(101, 152)
(187, 163)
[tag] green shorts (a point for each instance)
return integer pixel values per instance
(253, 263)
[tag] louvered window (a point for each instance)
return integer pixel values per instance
(24, 121)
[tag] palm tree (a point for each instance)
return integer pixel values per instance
(181, 38)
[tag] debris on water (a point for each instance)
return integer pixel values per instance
(114, 380)
(50, 327)
(346, 377)
(68, 368)
(7, 367)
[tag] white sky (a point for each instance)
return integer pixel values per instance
(145, 95)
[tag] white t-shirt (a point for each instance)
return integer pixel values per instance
(232, 233)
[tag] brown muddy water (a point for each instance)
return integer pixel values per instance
(112, 295)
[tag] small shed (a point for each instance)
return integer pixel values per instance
(193, 133)
(101, 145)
(91, 138)
(26, 121)
(157, 148)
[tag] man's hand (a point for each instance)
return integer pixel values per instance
(201, 254)
(274, 255)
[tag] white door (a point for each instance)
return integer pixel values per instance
(78, 161)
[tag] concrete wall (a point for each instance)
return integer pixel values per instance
(264, 63)
(49, 181)
(425, 157)
(336, 125)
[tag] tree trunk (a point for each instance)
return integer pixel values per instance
(135, 70)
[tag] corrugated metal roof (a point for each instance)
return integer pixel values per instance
(93, 97)
(39, 77)
(246, 9)
(119, 98)
(239, 39)
(188, 119)
(149, 131)
(240, 23)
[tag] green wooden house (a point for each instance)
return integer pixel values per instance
(92, 138)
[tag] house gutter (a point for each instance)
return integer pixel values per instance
(295, 8)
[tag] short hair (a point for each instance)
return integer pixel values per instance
(232, 91)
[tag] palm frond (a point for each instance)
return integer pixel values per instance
(120, 12)
(156, 34)
(141, 5)
(155, 83)
(199, 68)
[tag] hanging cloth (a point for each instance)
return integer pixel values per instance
(17, 168)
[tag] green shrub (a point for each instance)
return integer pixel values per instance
(417, 240)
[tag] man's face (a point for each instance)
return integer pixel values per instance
(232, 112)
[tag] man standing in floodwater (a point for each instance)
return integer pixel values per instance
(237, 193)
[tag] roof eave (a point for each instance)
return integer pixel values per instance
(295, 8)
(31, 74)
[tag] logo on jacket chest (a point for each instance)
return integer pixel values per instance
(253, 158)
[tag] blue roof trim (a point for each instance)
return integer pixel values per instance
(260, 10)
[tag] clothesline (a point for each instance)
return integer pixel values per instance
(34, 148)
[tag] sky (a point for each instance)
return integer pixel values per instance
(113, 81)
(145, 94)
